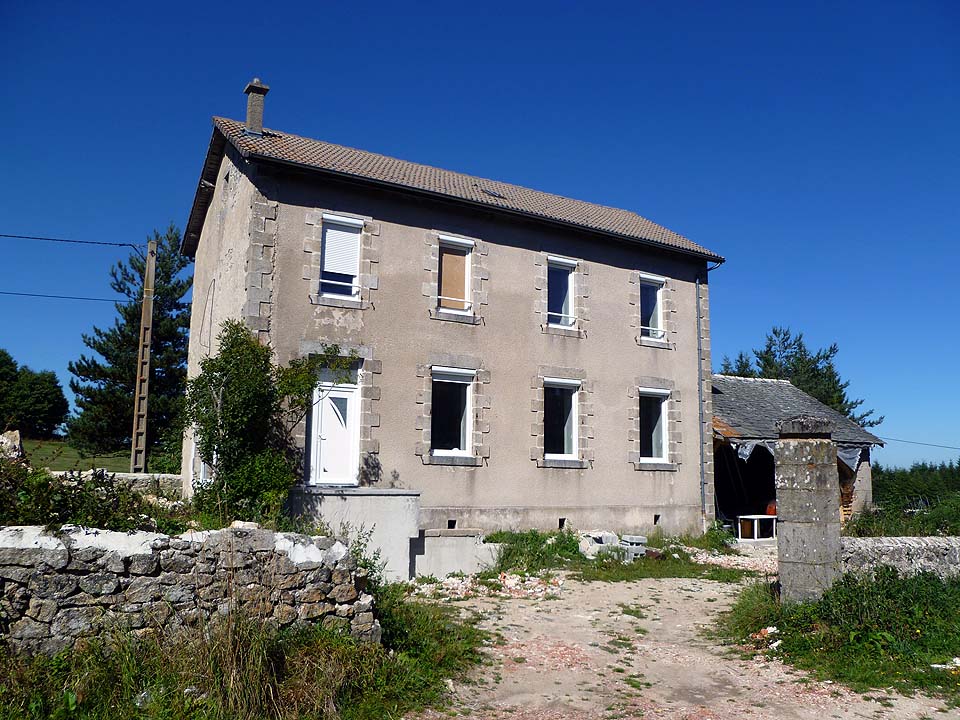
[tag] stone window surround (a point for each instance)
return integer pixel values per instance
(371, 369)
(368, 279)
(479, 277)
(481, 409)
(668, 310)
(581, 296)
(585, 430)
(674, 436)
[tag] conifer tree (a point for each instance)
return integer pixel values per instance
(104, 382)
(785, 356)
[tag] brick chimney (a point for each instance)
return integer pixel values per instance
(255, 92)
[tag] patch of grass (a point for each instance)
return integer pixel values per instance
(633, 611)
(57, 455)
(240, 669)
(717, 539)
(534, 552)
(867, 632)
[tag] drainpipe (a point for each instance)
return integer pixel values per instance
(703, 459)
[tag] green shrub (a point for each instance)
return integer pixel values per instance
(534, 551)
(94, 499)
(867, 631)
(243, 409)
(941, 517)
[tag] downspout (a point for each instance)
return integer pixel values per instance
(703, 459)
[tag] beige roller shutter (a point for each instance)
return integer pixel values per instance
(453, 278)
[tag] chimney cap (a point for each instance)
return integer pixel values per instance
(256, 86)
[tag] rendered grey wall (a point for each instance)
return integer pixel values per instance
(508, 490)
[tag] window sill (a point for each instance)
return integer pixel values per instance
(563, 464)
(455, 460)
(655, 466)
(654, 343)
(468, 319)
(573, 332)
(338, 302)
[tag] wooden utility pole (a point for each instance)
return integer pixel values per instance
(138, 451)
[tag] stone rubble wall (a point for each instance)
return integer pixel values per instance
(58, 586)
(909, 555)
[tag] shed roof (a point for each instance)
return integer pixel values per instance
(749, 408)
(360, 165)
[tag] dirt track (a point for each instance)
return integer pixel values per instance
(581, 657)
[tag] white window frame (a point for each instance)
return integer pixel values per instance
(463, 376)
(658, 281)
(320, 391)
(457, 243)
(570, 266)
(355, 288)
(566, 384)
(664, 396)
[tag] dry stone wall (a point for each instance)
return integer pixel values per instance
(909, 555)
(56, 587)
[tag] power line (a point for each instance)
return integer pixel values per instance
(75, 242)
(63, 297)
(914, 442)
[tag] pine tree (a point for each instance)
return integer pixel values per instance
(104, 385)
(785, 356)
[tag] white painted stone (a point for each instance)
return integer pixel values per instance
(122, 543)
(29, 537)
(298, 552)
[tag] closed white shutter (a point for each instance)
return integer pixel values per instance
(341, 248)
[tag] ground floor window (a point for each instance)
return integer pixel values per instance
(451, 411)
(653, 425)
(560, 418)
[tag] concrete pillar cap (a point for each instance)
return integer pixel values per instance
(805, 426)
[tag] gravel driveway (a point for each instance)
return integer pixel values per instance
(622, 650)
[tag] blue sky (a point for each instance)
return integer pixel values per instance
(813, 144)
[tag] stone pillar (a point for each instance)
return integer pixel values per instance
(808, 508)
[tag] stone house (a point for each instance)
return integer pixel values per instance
(526, 360)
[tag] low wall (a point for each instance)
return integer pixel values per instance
(57, 587)
(144, 483)
(441, 552)
(909, 555)
(391, 516)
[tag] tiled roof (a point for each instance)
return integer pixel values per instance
(749, 408)
(401, 174)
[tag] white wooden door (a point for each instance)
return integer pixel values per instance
(336, 436)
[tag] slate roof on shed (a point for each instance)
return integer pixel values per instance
(366, 166)
(749, 408)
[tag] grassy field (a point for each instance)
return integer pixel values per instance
(57, 455)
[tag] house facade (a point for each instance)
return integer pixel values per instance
(524, 360)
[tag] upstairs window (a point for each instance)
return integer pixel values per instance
(560, 419)
(454, 279)
(651, 307)
(560, 291)
(451, 411)
(653, 425)
(340, 262)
